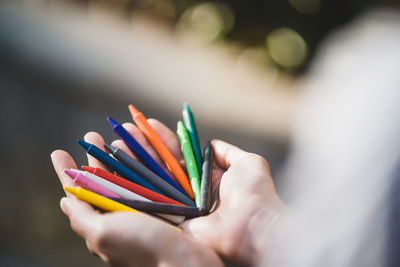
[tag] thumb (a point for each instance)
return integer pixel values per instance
(226, 154)
(203, 229)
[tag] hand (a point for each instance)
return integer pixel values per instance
(248, 224)
(248, 203)
(127, 238)
(237, 228)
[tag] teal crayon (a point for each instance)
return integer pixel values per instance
(188, 120)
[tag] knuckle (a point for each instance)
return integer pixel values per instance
(90, 248)
(101, 237)
(258, 160)
(72, 223)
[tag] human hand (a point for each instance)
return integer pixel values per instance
(127, 238)
(249, 208)
(247, 225)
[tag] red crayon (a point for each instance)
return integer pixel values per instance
(140, 190)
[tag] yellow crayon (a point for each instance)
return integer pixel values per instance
(97, 200)
(101, 202)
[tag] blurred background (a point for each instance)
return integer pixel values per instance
(66, 65)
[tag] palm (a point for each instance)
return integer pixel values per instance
(241, 192)
(140, 236)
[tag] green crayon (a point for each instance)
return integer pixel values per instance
(190, 161)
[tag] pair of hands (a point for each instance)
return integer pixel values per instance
(235, 230)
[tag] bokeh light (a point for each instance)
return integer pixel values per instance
(306, 6)
(286, 47)
(207, 21)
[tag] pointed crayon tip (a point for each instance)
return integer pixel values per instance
(133, 110)
(87, 168)
(180, 125)
(71, 173)
(186, 113)
(72, 190)
(110, 148)
(112, 122)
(84, 144)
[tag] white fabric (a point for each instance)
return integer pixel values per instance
(346, 144)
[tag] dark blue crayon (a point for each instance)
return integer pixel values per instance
(112, 163)
(167, 189)
(142, 154)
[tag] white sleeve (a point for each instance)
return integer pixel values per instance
(346, 147)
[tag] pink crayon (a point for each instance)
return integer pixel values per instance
(88, 184)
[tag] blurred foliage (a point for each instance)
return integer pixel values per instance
(289, 31)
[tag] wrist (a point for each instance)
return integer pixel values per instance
(256, 229)
(267, 229)
(186, 252)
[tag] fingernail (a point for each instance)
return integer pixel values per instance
(86, 137)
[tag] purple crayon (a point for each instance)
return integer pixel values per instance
(88, 184)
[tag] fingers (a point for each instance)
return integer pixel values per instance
(245, 172)
(226, 154)
(97, 140)
(83, 218)
(141, 139)
(121, 145)
(168, 137)
(62, 160)
(204, 230)
(216, 181)
(85, 221)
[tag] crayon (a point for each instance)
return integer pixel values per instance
(206, 180)
(100, 201)
(126, 194)
(161, 149)
(97, 200)
(141, 153)
(147, 193)
(188, 120)
(89, 184)
(165, 188)
(191, 167)
(122, 192)
(115, 165)
(188, 212)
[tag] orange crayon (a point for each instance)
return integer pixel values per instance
(162, 150)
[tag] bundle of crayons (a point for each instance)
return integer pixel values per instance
(145, 185)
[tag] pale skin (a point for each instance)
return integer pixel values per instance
(236, 229)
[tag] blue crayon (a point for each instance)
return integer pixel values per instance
(142, 154)
(116, 165)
